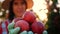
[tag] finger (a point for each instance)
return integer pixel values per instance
(17, 29)
(14, 31)
(24, 32)
(45, 32)
(30, 32)
(11, 26)
(11, 31)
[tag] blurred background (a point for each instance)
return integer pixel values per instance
(48, 11)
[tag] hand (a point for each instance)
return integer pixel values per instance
(25, 32)
(11, 26)
(13, 30)
(16, 30)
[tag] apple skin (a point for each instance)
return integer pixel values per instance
(16, 19)
(29, 16)
(37, 27)
(22, 24)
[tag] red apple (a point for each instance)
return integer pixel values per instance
(16, 19)
(29, 16)
(22, 24)
(37, 27)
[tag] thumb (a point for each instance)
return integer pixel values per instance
(11, 26)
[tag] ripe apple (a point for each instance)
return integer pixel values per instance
(22, 24)
(29, 16)
(37, 27)
(16, 19)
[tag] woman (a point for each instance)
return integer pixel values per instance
(16, 9)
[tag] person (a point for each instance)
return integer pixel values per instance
(16, 9)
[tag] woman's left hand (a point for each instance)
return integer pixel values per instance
(26, 32)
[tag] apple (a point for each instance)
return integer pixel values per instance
(29, 16)
(37, 27)
(15, 20)
(22, 24)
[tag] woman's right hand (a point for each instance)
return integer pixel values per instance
(13, 30)
(16, 30)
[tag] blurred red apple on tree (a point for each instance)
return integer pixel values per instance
(22, 24)
(37, 27)
(29, 16)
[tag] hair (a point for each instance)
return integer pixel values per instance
(11, 13)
